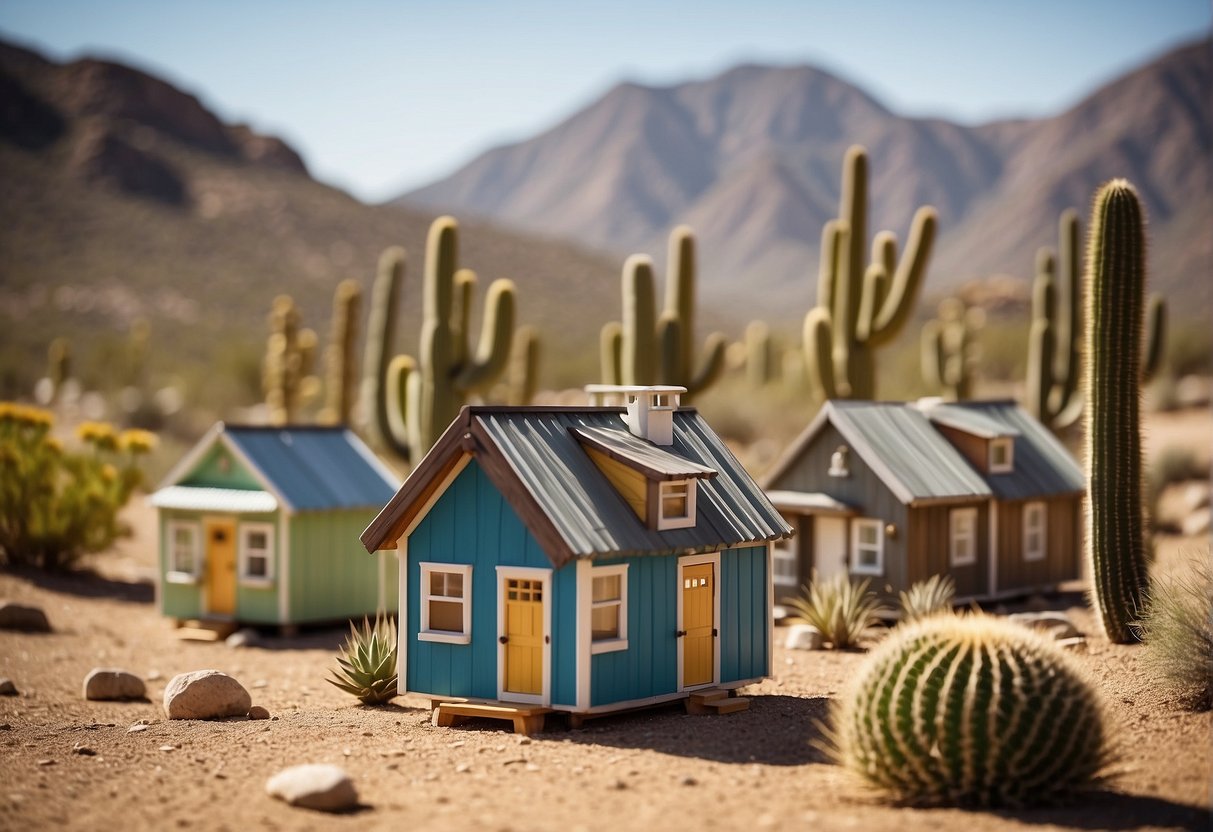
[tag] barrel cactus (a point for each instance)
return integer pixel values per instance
(971, 711)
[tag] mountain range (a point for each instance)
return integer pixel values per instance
(752, 158)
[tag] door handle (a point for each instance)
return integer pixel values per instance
(715, 632)
(504, 639)
(679, 633)
(547, 639)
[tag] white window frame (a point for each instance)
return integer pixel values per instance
(445, 636)
(1040, 527)
(246, 551)
(173, 573)
(1007, 443)
(962, 527)
(857, 567)
(620, 642)
(664, 523)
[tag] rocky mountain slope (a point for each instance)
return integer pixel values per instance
(751, 158)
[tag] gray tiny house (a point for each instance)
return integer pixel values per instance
(897, 492)
(260, 525)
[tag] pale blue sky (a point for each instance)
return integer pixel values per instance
(383, 96)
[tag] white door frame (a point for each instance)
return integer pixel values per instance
(842, 566)
(544, 576)
(696, 560)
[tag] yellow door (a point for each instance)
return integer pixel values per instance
(698, 624)
(221, 567)
(524, 636)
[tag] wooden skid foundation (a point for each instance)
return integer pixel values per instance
(715, 702)
(204, 629)
(527, 720)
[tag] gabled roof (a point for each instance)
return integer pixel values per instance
(653, 461)
(535, 458)
(305, 468)
(900, 443)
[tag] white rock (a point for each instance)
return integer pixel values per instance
(803, 637)
(314, 786)
(23, 618)
(107, 684)
(205, 694)
(1056, 624)
(1197, 495)
(1198, 522)
(248, 637)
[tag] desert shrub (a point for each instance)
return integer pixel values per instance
(366, 666)
(843, 611)
(972, 711)
(928, 597)
(57, 504)
(1176, 625)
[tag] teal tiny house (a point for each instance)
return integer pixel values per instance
(259, 525)
(581, 559)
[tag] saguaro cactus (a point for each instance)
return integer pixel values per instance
(970, 710)
(380, 347)
(339, 358)
(1055, 338)
(629, 351)
(947, 350)
(522, 375)
(1115, 296)
(861, 308)
(289, 356)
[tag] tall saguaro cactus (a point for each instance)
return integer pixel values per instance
(1115, 297)
(947, 350)
(289, 356)
(1055, 337)
(339, 358)
(860, 308)
(411, 401)
(645, 349)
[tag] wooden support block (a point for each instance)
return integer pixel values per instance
(730, 706)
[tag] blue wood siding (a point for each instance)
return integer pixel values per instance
(471, 523)
(744, 614)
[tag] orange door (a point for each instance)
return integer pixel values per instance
(221, 567)
(698, 624)
(524, 636)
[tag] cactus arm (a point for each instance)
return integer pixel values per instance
(760, 354)
(401, 371)
(818, 350)
(493, 348)
(827, 274)
(712, 365)
(380, 345)
(680, 294)
(907, 280)
(1069, 309)
(639, 321)
(1115, 528)
(1156, 337)
(931, 355)
(461, 331)
(875, 283)
(669, 340)
(1042, 341)
(610, 352)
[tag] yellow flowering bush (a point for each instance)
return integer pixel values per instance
(57, 504)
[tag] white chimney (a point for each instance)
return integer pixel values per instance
(650, 409)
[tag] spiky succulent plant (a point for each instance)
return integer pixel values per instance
(927, 597)
(971, 710)
(367, 663)
(844, 612)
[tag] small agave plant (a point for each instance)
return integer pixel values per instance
(367, 663)
(925, 598)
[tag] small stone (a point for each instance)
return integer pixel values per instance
(689, 781)
(154, 676)
(462, 767)
(1197, 494)
(620, 785)
(803, 637)
(205, 694)
(532, 767)
(7, 688)
(23, 618)
(326, 788)
(1198, 522)
(247, 637)
(137, 727)
(260, 683)
(1051, 622)
(46, 762)
(168, 748)
(112, 684)
(84, 751)
(258, 712)
(524, 740)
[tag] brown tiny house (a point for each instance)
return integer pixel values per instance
(898, 492)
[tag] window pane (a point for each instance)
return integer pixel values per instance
(183, 537)
(674, 506)
(867, 534)
(454, 585)
(606, 588)
(446, 615)
(604, 622)
(258, 541)
(867, 557)
(258, 567)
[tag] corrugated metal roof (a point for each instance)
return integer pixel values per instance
(652, 460)
(593, 519)
(315, 468)
(899, 443)
(193, 498)
(813, 501)
(1042, 467)
(965, 417)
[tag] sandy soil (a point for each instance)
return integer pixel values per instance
(656, 769)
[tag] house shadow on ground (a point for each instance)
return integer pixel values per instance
(1117, 812)
(776, 730)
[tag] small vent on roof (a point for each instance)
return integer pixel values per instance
(650, 409)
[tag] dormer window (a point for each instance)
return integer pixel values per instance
(1002, 455)
(840, 465)
(676, 505)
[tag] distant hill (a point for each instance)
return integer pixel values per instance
(123, 197)
(751, 158)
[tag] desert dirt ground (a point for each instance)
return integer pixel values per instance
(758, 769)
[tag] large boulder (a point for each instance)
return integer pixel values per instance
(25, 619)
(205, 694)
(113, 684)
(314, 786)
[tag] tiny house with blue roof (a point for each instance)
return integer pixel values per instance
(259, 525)
(581, 559)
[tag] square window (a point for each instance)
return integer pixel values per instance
(183, 548)
(676, 504)
(867, 546)
(1002, 455)
(256, 552)
(962, 533)
(608, 608)
(446, 610)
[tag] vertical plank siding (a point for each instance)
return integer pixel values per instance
(331, 575)
(649, 666)
(931, 541)
(1063, 552)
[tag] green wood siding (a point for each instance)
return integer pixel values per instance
(331, 576)
(218, 468)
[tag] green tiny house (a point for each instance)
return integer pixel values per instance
(260, 525)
